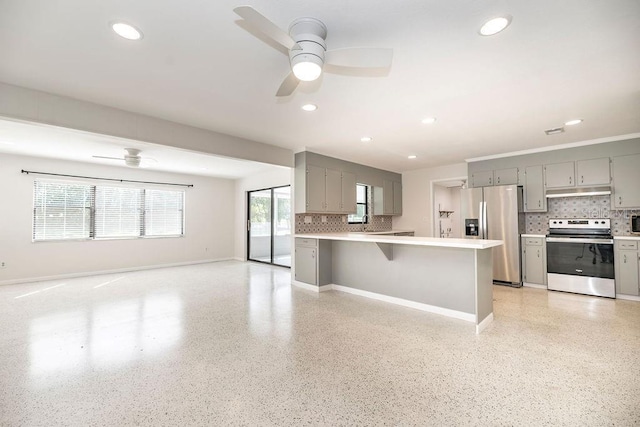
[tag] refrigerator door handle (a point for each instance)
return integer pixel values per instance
(481, 220)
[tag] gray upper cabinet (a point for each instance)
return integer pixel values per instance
(593, 172)
(626, 176)
(559, 175)
(315, 189)
(534, 197)
(387, 200)
(482, 179)
(505, 176)
(333, 195)
(397, 198)
(349, 202)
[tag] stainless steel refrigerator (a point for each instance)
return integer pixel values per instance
(496, 213)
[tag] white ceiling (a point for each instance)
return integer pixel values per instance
(557, 61)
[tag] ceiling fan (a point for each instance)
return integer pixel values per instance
(308, 52)
(131, 158)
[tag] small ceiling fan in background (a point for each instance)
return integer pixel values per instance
(308, 52)
(131, 158)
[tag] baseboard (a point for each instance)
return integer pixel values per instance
(534, 285)
(237, 258)
(627, 297)
(485, 322)
(312, 288)
(116, 270)
(406, 303)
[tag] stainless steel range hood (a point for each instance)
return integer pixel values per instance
(579, 192)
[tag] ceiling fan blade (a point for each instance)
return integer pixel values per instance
(359, 57)
(261, 23)
(105, 157)
(289, 85)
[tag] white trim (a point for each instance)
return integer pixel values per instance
(556, 147)
(406, 303)
(485, 322)
(628, 297)
(237, 258)
(312, 288)
(534, 285)
(116, 270)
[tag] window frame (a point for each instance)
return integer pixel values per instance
(93, 208)
(365, 203)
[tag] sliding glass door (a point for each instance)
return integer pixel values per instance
(269, 226)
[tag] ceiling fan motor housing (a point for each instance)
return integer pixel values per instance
(309, 34)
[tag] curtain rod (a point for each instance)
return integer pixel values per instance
(105, 179)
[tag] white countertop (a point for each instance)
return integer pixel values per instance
(382, 232)
(405, 240)
(533, 235)
(626, 237)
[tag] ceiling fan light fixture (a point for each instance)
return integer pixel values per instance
(126, 31)
(495, 25)
(308, 68)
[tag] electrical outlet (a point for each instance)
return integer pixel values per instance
(307, 219)
(3, 264)
(323, 218)
(382, 219)
(344, 219)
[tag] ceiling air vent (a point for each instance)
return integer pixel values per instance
(554, 131)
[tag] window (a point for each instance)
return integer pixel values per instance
(361, 205)
(75, 211)
(61, 211)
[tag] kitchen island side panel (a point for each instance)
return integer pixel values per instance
(442, 277)
(484, 297)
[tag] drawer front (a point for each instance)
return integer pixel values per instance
(533, 241)
(622, 244)
(302, 241)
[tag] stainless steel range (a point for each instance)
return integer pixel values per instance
(580, 257)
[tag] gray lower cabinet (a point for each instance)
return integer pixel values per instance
(534, 196)
(627, 267)
(534, 260)
(312, 261)
(626, 176)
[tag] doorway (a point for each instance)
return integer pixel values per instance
(446, 207)
(269, 226)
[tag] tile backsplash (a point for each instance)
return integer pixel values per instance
(335, 224)
(581, 207)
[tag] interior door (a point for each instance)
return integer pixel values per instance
(269, 226)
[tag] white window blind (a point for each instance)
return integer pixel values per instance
(163, 213)
(118, 212)
(78, 211)
(61, 211)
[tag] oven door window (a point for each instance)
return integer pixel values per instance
(580, 259)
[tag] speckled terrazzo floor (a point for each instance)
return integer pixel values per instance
(232, 343)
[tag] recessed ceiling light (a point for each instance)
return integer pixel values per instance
(573, 122)
(413, 156)
(429, 120)
(366, 139)
(127, 31)
(495, 25)
(309, 107)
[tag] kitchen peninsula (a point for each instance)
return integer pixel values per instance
(451, 277)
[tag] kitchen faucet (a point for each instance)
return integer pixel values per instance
(364, 218)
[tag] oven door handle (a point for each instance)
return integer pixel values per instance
(579, 240)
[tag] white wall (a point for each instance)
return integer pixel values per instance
(272, 176)
(209, 214)
(416, 196)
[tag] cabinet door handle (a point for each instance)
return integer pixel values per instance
(570, 179)
(498, 180)
(620, 200)
(539, 203)
(582, 179)
(538, 253)
(625, 258)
